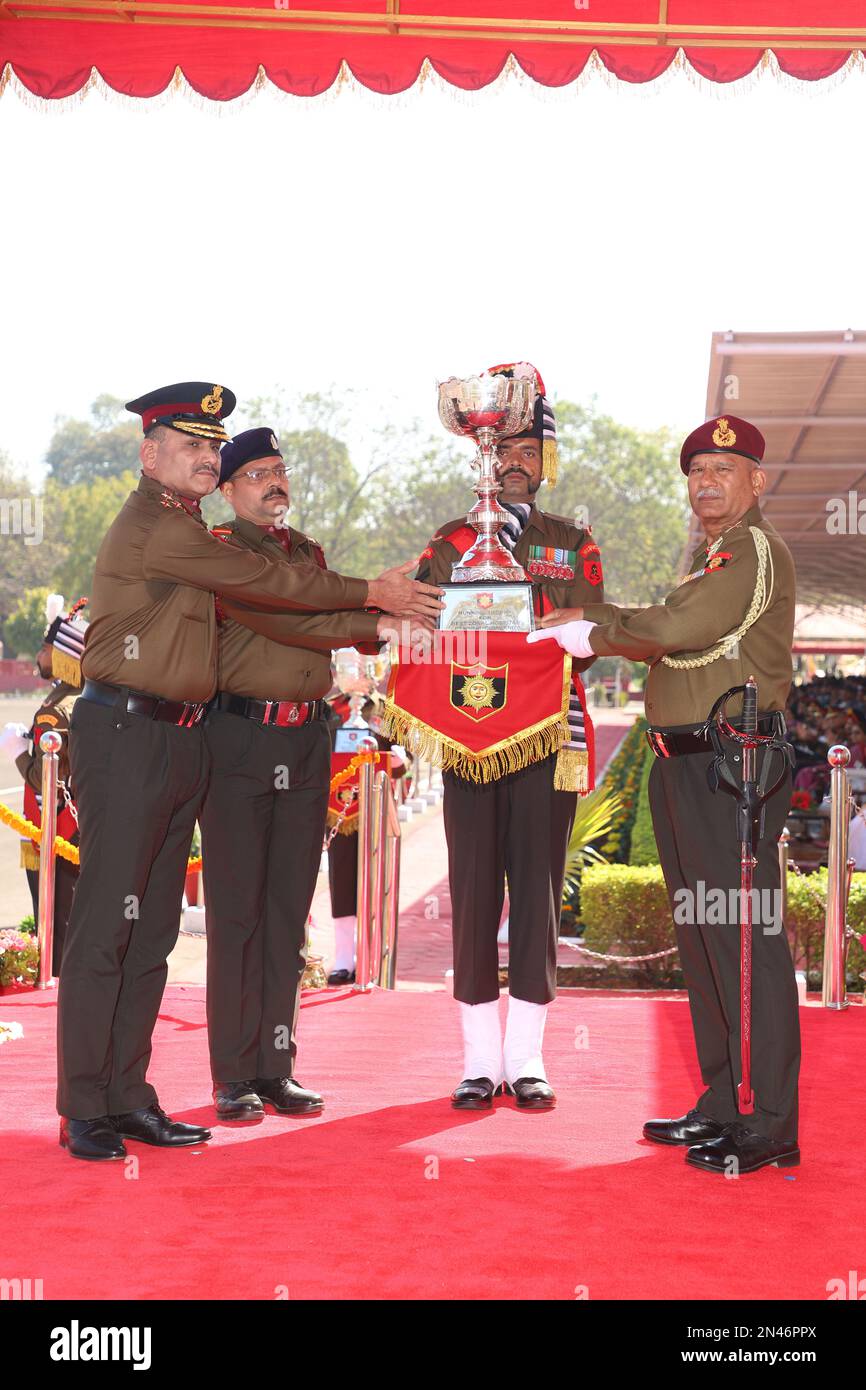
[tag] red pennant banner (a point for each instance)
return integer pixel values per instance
(482, 712)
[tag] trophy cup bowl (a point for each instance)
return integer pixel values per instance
(487, 408)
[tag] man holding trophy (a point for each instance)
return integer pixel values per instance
(515, 742)
(264, 816)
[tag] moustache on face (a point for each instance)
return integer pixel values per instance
(277, 492)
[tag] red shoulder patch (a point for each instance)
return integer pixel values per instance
(591, 557)
(461, 538)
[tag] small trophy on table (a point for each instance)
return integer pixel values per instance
(489, 589)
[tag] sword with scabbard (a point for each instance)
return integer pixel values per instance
(751, 797)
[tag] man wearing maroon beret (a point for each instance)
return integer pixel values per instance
(731, 617)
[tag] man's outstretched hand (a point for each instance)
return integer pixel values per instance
(572, 637)
(395, 593)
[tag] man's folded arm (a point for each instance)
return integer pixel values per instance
(320, 632)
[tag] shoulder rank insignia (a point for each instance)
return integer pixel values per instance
(549, 562)
(222, 533)
(591, 557)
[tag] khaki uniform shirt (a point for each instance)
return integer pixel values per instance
(153, 625)
(696, 616)
(541, 529)
(54, 713)
(281, 656)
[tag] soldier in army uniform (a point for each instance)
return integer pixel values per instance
(58, 657)
(732, 616)
(139, 760)
(517, 826)
(263, 820)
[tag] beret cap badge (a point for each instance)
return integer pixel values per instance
(723, 435)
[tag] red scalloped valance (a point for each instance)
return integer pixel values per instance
(137, 46)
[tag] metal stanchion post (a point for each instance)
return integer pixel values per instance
(365, 864)
(381, 793)
(835, 944)
(783, 870)
(389, 899)
(50, 745)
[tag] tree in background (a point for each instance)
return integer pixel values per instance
(79, 516)
(25, 626)
(30, 555)
(103, 447)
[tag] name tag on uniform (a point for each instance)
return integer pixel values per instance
(548, 562)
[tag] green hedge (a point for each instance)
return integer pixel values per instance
(644, 849)
(623, 776)
(626, 911)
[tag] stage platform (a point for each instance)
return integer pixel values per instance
(390, 1194)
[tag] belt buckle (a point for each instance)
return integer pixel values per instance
(659, 746)
(288, 712)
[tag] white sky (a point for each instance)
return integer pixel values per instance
(359, 241)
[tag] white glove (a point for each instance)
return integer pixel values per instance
(14, 740)
(572, 637)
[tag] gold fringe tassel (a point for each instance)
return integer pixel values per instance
(29, 855)
(65, 668)
(549, 462)
(424, 742)
(572, 770)
(347, 826)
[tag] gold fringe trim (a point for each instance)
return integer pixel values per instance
(65, 668)
(423, 741)
(29, 855)
(347, 826)
(549, 462)
(572, 770)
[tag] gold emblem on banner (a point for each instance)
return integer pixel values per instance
(723, 435)
(478, 691)
(212, 404)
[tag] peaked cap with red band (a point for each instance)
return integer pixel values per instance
(725, 434)
(194, 407)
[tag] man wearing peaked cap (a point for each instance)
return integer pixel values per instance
(518, 824)
(138, 757)
(730, 617)
(263, 819)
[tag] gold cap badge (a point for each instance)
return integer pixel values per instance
(723, 435)
(212, 404)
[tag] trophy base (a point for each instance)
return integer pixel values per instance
(487, 607)
(487, 573)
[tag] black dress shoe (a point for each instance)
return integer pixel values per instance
(151, 1125)
(740, 1150)
(288, 1097)
(475, 1093)
(238, 1100)
(341, 977)
(95, 1139)
(693, 1128)
(532, 1093)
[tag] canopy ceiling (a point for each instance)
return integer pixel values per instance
(806, 392)
(223, 49)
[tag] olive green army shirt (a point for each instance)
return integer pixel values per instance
(704, 608)
(281, 656)
(153, 624)
(545, 532)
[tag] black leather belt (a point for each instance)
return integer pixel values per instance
(278, 714)
(672, 743)
(185, 714)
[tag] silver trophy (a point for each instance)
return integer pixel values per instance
(357, 676)
(488, 408)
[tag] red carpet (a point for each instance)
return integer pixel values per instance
(525, 1206)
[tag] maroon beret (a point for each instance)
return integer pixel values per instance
(726, 434)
